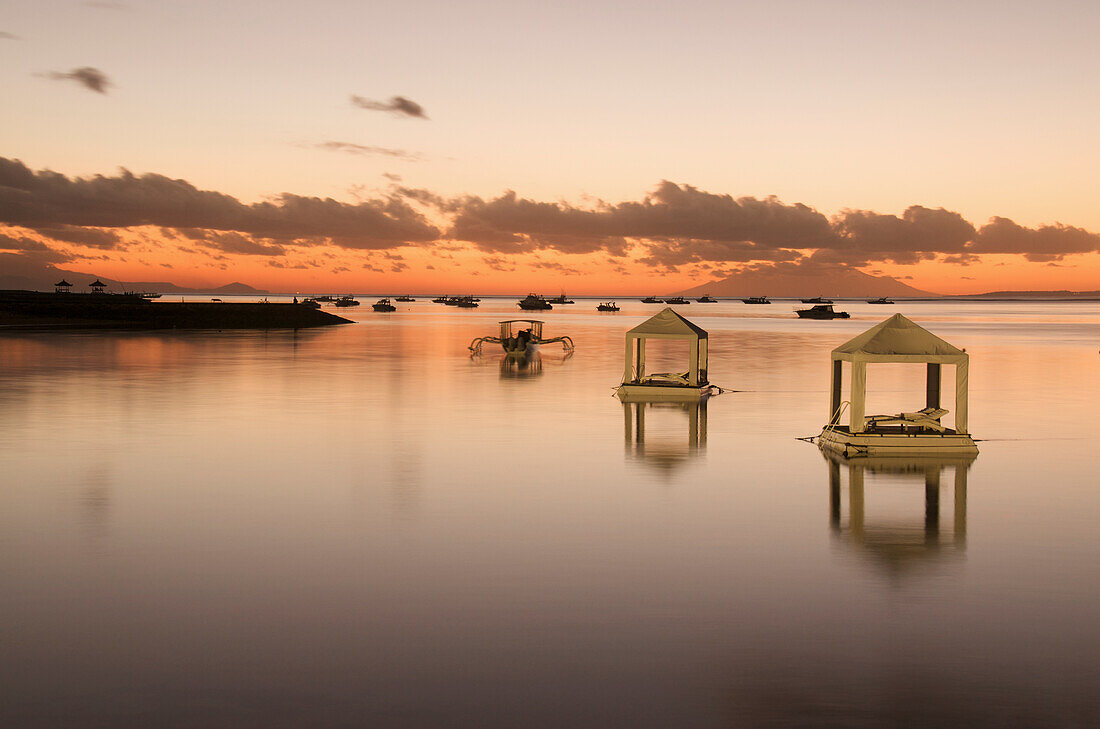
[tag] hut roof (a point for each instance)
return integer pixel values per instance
(62, 282)
(668, 324)
(97, 282)
(898, 339)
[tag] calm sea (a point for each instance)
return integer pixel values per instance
(365, 526)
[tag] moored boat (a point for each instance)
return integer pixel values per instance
(652, 300)
(404, 298)
(880, 300)
(560, 299)
(817, 300)
(756, 300)
(348, 300)
(607, 306)
(384, 305)
(707, 299)
(677, 300)
(520, 338)
(821, 311)
(534, 302)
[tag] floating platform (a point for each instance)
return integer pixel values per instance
(895, 442)
(666, 393)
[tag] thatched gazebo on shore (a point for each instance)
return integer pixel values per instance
(97, 286)
(62, 287)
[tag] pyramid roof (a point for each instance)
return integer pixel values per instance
(668, 324)
(898, 339)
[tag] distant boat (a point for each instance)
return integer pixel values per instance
(465, 302)
(217, 300)
(677, 300)
(404, 298)
(560, 299)
(326, 299)
(607, 306)
(311, 303)
(880, 300)
(652, 300)
(534, 302)
(384, 305)
(348, 300)
(706, 299)
(440, 300)
(821, 311)
(816, 300)
(148, 295)
(756, 300)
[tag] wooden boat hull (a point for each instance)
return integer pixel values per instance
(850, 445)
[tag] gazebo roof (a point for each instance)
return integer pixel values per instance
(898, 339)
(667, 324)
(97, 282)
(62, 282)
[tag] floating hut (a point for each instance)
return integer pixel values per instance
(641, 385)
(897, 340)
(62, 287)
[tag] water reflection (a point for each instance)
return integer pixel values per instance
(518, 367)
(663, 446)
(899, 540)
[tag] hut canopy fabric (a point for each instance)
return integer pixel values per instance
(898, 339)
(667, 324)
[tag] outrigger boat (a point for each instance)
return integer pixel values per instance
(520, 338)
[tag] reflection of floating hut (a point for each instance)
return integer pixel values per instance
(641, 385)
(62, 287)
(897, 543)
(97, 286)
(897, 340)
(657, 447)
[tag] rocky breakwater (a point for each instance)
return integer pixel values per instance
(36, 309)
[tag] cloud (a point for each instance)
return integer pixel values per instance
(47, 199)
(1045, 243)
(919, 234)
(397, 105)
(367, 151)
(94, 237)
(90, 78)
(680, 222)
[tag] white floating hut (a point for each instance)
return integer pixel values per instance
(641, 385)
(897, 340)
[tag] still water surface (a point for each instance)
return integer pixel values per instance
(364, 526)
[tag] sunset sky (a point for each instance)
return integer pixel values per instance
(596, 147)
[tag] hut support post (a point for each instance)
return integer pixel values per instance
(693, 366)
(932, 389)
(859, 396)
(962, 400)
(834, 404)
